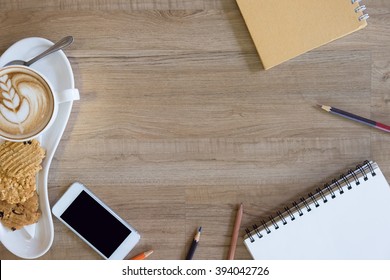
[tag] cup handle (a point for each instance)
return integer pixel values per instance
(68, 95)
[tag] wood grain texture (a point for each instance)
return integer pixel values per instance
(178, 123)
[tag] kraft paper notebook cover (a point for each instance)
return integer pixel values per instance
(348, 218)
(284, 29)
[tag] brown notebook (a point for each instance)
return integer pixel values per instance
(283, 29)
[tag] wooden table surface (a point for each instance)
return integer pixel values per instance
(178, 123)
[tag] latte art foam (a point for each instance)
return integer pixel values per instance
(26, 103)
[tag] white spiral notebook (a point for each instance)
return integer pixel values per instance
(349, 218)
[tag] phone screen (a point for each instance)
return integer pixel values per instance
(97, 225)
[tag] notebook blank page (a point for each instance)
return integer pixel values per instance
(354, 225)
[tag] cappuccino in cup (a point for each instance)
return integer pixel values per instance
(28, 104)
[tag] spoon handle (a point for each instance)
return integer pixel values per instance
(64, 42)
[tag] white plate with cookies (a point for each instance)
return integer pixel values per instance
(33, 241)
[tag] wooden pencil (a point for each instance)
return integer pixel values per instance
(356, 118)
(142, 256)
(236, 229)
(194, 244)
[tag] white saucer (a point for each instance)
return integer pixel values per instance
(35, 240)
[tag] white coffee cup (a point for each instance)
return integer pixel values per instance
(28, 103)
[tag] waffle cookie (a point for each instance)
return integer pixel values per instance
(20, 160)
(19, 165)
(15, 216)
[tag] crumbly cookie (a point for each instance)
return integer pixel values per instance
(14, 190)
(16, 216)
(20, 160)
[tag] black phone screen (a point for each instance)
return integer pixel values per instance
(98, 226)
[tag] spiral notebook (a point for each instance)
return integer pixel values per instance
(348, 218)
(283, 29)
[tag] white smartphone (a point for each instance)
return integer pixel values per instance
(95, 223)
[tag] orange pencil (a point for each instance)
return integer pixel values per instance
(142, 256)
(236, 229)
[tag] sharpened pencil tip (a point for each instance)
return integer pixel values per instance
(148, 253)
(200, 229)
(324, 107)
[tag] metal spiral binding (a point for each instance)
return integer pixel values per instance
(346, 181)
(330, 190)
(360, 8)
(320, 194)
(361, 170)
(316, 204)
(353, 174)
(337, 184)
(303, 200)
(370, 167)
(324, 200)
(292, 217)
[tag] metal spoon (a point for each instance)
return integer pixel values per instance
(64, 42)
